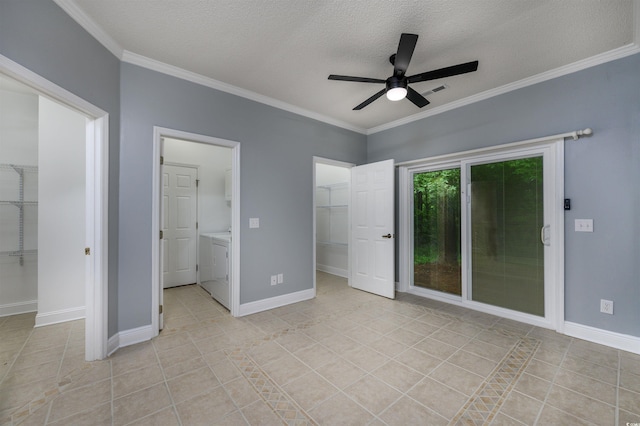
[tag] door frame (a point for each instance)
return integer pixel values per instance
(554, 164)
(337, 163)
(156, 264)
(96, 203)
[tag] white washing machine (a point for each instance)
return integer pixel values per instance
(215, 257)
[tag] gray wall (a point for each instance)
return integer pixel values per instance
(38, 35)
(602, 173)
(277, 149)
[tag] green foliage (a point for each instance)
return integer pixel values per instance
(436, 216)
(437, 204)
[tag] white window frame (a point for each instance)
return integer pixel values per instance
(552, 150)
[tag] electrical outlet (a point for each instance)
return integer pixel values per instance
(280, 278)
(606, 306)
(274, 279)
(254, 222)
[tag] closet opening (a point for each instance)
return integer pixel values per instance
(53, 209)
(332, 197)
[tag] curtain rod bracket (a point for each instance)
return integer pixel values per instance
(580, 133)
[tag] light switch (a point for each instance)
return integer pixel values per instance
(254, 222)
(584, 225)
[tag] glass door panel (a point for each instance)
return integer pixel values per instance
(507, 216)
(436, 231)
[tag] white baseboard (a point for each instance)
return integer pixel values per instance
(129, 337)
(333, 270)
(624, 342)
(63, 315)
(18, 308)
(113, 344)
(135, 335)
(275, 302)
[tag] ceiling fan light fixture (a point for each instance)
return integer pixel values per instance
(396, 88)
(396, 94)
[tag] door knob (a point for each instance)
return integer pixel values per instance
(387, 236)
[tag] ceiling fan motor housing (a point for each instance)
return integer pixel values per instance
(394, 82)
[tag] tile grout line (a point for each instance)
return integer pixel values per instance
(266, 386)
(551, 383)
(617, 411)
(6, 374)
(166, 386)
(113, 414)
(482, 400)
(577, 392)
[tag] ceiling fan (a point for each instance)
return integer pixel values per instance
(397, 86)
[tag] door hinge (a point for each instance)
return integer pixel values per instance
(196, 268)
(160, 309)
(197, 182)
(161, 160)
(87, 251)
(196, 225)
(161, 234)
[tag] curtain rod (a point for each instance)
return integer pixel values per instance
(575, 135)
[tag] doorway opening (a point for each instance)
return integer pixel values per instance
(331, 221)
(196, 203)
(354, 223)
(90, 200)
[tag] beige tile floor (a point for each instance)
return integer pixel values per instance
(346, 357)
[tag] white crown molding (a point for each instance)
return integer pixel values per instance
(152, 64)
(602, 58)
(70, 7)
(76, 13)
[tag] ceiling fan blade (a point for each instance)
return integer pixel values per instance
(405, 51)
(356, 79)
(371, 99)
(416, 98)
(444, 72)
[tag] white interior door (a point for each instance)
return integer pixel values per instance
(372, 228)
(179, 204)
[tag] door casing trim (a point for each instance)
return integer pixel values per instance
(158, 134)
(97, 202)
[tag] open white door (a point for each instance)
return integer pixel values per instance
(372, 227)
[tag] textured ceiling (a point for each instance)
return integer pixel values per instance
(284, 50)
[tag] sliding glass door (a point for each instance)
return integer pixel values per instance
(507, 219)
(486, 231)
